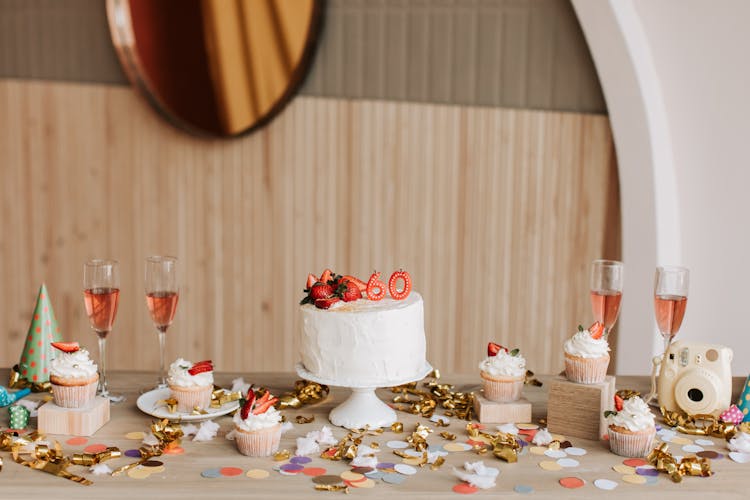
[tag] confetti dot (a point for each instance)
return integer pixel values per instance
(523, 489)
(152, 463)
(351, 476)
(605, 484)
(133, 453)
(294, 468)
(634, 479)
(692, 448)
(568, 462)
(137, 435)
(623, 469)
(174, 450)
(413, 453)
(77, 441)
(710, 454)
(456, 447)
(394, 478)
(704, 442)
(571, 482)
(646, 471)
(465, 488)
(397, 445)
(537, 450)
(385, 465)
(300, 460)
(313, 471)
(257, 474)
(550, 465)
(555, 453)
(681, 440)
(211, 473)
(404, 469)
(138, 473)
(95, 448)
(740, 458)
(376, 474)
(330, 479)
(412, 461)
(576, 452)
(365, 483)
(230, 471)
(634, 462)
(527, 427)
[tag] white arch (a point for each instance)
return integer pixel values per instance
(648, 186)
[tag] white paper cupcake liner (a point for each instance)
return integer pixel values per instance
(502, 389)
(190, 397)
(74, 396)
(636, 444)
(260, 443)
(586, 370)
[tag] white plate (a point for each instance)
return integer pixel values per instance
(147, 403)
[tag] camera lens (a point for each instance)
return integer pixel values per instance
(695, 395)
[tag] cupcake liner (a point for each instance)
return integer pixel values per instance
(502, 389)
(631, 444)
(74, 396)
(190, 397)
(586, 370)
(260, 443)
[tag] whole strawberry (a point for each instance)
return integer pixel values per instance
(321, 291)
(349, 291)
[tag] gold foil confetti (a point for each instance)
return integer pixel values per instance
(449, 436)
(301, 419)
(663, 461)
(397, 427)
(412, 400)
(441, 423)
(503, 445)
(530, 380)
(282, 455)
(17, 381)
(698, 425)
(304, 393)
(332, 487)
(627, 393)
(89, 459)
(168, 435)
(221, 397)
(46, 459)
(170, 403)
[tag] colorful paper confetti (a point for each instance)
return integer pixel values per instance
(571, 482)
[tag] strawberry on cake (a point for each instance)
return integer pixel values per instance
(191, 384)
(352, 333)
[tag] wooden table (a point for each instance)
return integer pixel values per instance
(182, 475)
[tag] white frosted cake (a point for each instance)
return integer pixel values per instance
(365, 341)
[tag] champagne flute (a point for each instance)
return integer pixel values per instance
(162, 295)
(670, 300)
(606, 291)
(101, 293)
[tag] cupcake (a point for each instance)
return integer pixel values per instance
(73, 375)
(503, 374)
(587, 355)
(631, 427)
(191, 384)
(257, 426)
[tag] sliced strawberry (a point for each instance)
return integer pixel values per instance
(493, 349)
(618, 403)
(66, 346)
(265, 397)
(262, 408)
(326, 303)
(326, 276)
(248, 406)
(360, 284)
(321, 291)
(596, 330)
(201, 367)
(349, 291)
(311, 279)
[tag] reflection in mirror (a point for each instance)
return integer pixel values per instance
(217, 67)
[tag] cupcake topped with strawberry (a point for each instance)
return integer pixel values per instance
(257, 426)
(587, 355)
(73, 375)
(503, 374)
(631, 427)
(183, 373)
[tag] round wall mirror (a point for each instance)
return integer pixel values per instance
(216, 67)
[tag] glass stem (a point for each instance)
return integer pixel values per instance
(162, 353)
(103, 389)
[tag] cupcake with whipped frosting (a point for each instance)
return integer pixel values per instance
(587, 355)
(503, 374)
(257, 426)
(631, 427)
(191, 384)
(73, 375)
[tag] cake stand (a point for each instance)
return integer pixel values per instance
(363, 408)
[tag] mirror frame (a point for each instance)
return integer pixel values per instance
(123, 38)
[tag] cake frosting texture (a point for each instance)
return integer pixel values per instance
(364, 341)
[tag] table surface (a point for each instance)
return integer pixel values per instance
(182, 478)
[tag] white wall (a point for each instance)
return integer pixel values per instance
(676, 76)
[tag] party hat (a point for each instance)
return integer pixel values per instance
(38, 352)
(744, 401)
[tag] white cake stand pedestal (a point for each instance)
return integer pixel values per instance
(363, 408)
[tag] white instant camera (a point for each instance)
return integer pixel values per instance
(696, 378)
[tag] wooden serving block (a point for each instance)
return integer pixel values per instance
(578, 409)
(491, 412)
(85, 421)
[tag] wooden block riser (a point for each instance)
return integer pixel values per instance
(86, 421)
(577, 410)
(490, 412)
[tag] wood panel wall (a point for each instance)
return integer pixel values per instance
(495, 212)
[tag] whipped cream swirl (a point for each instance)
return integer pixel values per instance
(179, 376)
(634, 416)
(585, 346)
(740, 442)
(73, 365)
(504, 365)
(271, 417)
